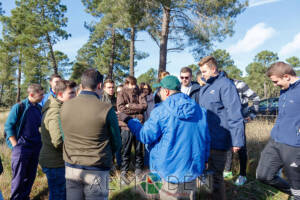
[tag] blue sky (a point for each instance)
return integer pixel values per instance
(265, 25)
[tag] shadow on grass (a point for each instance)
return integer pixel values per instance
(252, 190)
(42, 195)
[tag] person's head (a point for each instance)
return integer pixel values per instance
(146, 89)
(130, 82)
(119, 88)
(65, 90)
(199, 78)
(186, 76)
(282, 75)
(162, 74)
(54, 78)
(35, 93)
(208, 67)
(168, 86)
(92, 80)
(141, 86)
(109, 87)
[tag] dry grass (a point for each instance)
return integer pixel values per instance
(257, 135)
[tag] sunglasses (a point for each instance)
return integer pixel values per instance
(184, 77)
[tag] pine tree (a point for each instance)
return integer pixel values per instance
(191, 24)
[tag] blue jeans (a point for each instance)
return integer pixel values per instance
(1, 197)
(56, 183)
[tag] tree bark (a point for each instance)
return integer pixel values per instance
(132, 51)
(2, 90)
(54, 64)
(265, 90)
(112, 56)
(163, 47)
(19, 78)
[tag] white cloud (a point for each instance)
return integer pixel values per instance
(71, 46)
(254, 38)
(291, 47)
(253, 3)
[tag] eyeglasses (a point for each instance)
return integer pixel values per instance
(184, 77)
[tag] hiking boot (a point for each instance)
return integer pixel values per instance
(241, 180)
(124, 181)
(139, 175)
(227, 174)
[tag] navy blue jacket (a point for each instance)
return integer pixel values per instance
(225, 121)
(287, 126)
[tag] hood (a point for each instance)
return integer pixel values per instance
(51, 103)
(181, 106)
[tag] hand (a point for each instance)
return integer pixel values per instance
(235, 149)
(13, 141)
(122, 116)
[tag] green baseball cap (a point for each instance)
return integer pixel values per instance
(169, 82)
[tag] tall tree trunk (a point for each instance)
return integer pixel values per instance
(265, 90)
(132, 51)
(112, 56)
(163, 47)
(19, 78)
(54, 64)
(1, 93)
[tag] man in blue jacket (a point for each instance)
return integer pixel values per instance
(24, 138)
(54, 79)
(283, 149)
(178, 140)
(225, 121)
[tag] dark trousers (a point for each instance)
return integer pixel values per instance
(56, 182)
(274, 157)
(128, 139)
(242, 158)
(24, 164)
(216, 163)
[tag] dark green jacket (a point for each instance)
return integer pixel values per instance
(109, 99)
(91, 131)
(51, 153)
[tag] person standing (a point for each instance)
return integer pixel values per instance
(245, 94)
(225, 121)
(130, 101)
(91, 137)
(51, 155)
(24, 138)
(109, 93)
(188, 87)
(54, 78)
(178, 139)
(283, 148)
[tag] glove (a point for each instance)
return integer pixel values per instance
(123, 117)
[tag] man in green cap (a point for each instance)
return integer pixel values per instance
(178, 140)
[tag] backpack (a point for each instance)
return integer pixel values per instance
(21, 110)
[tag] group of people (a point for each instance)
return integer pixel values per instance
(178, 131)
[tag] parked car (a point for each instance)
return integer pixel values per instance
(267, 107)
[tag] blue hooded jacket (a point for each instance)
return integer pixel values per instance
(46, 97)
(178, 138)
(287, 126)
(225, 121)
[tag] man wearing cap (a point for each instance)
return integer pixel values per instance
(178, 140)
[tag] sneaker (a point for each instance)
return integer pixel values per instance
(241, 180)
(227, 174)
(139, 175)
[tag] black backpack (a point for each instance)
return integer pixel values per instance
(21, 110)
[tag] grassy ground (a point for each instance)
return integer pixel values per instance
(257, 135)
